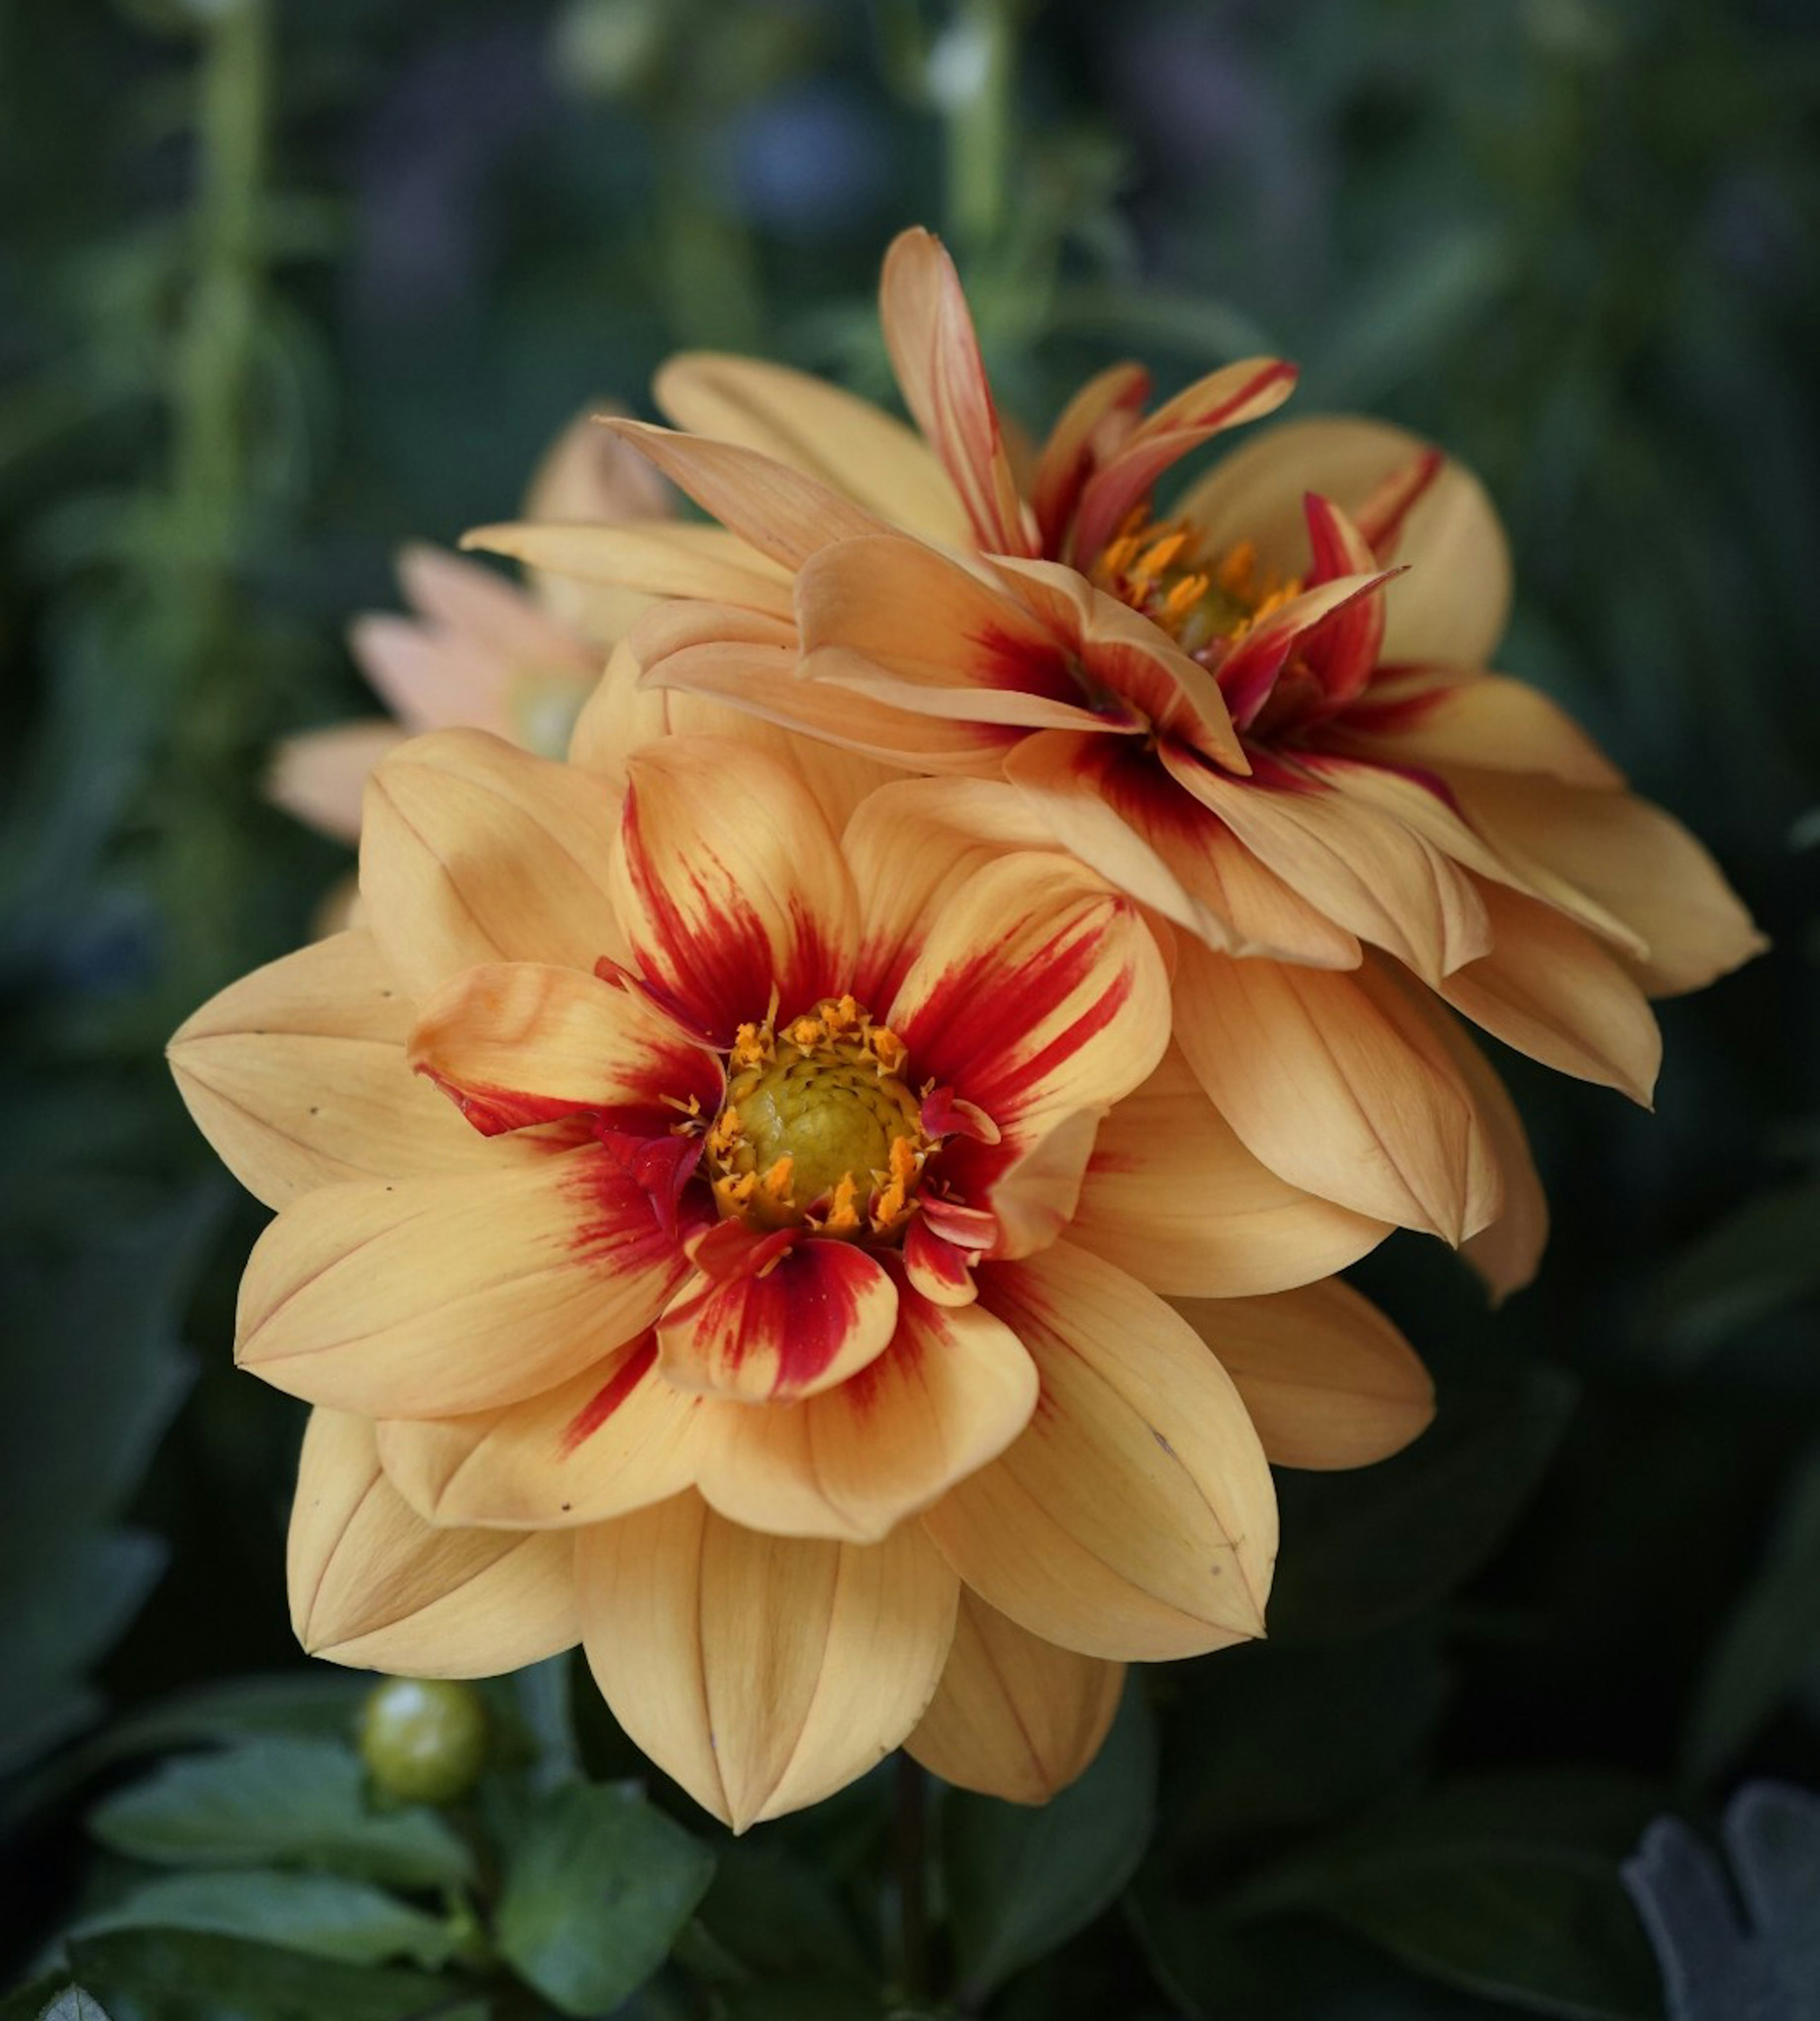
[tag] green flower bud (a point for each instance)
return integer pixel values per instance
(424, 1741)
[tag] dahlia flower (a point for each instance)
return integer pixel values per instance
(721, 1218)
(479, 651)
(1260, 710)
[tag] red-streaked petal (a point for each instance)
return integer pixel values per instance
(771, 507)
(1339, 1084)
(729, 883)
(1244, 391)
(1443, 716)
(1249, 673)
(951, 1392)
(1173, 1197)
(816, 1317)
(515, 1043)
(1038, 994)
(1117, 806)
(929, 334)
(472, 851)
(1342, 654)
(939, 1269)
(428, 1297)
(1135, 1518)
(1367, 871)
(1093, 427)
(821, 430)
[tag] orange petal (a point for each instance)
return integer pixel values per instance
(662, 558)
(589, 474)
(771, 507)
(1328, 1381)
(896, 621)
(1116, 806)
(762, 1674)
(729, 883)
(1015, 1717)
(1038, 994)
(1339, 1084)
(468, 604)
(820, 1314)
(1172, 1196)
(935, 355)
(1092, 426)
(474, 852)
(1549, 989)
(1366, 870)
(297, 1075)
(516, 1044)
(1244, 392)
(375, 1587)
(614, 1438)
(1135, 1519)
(822, 431)
(428, 1298)
(1446, 716)
(1629, 857)
(952, 1391)
(320, 778)
(1454, 603)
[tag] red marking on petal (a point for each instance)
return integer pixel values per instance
(1340, 652)
(669, 1007)
(943, 1114)
(1000, 660)
(612, 1393)
(1332, 770)
(798, 1315)
(971, 1228)
(1380, 519)
(731, 1250)
(935, 1266)
(1370, 717)
(494, 1111)
(620, 1222)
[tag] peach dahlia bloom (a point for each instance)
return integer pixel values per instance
(721, 1220)
(1259, 709)
(479, 651)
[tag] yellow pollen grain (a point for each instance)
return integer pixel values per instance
(1184, 596)
(843, 1215)
(775, 1183)
(1158, 556)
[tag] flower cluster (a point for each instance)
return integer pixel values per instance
(829, 1195)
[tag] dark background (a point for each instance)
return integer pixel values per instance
(280, 288)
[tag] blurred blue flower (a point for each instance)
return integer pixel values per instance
(1745, 1945)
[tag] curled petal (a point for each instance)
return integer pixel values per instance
(1135, 1519)
(820, 1313)
(472, 851)
(430, 1297)
(515, 1043)
(1173, 1197)
(953, 1390)
(1328, 1381)
(1093, 427)
(297, 1075)
(762, 1672)
(373, 1586)
(614, 1438)
(929, 334)
(827, 433)
(1015, 1717)
(1443, 716)
(1341, 1085)
(728, 882)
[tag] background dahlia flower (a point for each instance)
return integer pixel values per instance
(478, 651)
(723, 1221)
(1260, 710)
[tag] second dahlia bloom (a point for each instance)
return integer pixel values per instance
(718, 1219)
(1260, 708)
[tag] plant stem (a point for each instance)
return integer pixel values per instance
(983, 43)
(910, 1852)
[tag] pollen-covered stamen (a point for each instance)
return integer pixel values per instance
(818, 1130)
(1205, 604)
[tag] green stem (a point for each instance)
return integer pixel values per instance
(979, 123)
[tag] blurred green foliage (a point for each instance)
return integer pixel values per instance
(280, 288)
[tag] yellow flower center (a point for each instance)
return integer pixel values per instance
(1199, 603)
(817, 1128)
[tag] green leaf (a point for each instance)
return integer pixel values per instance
(1021, 1881)
(181, 1975)
(778, 1914)
(1364, 1549)
(317, 1704)
(1506, 1886)
(52, 1997)
(1763, 1257)
(286, 1803)
(320, 1913)
(1772, 1637)
(74, 2004)
(596, 1889)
